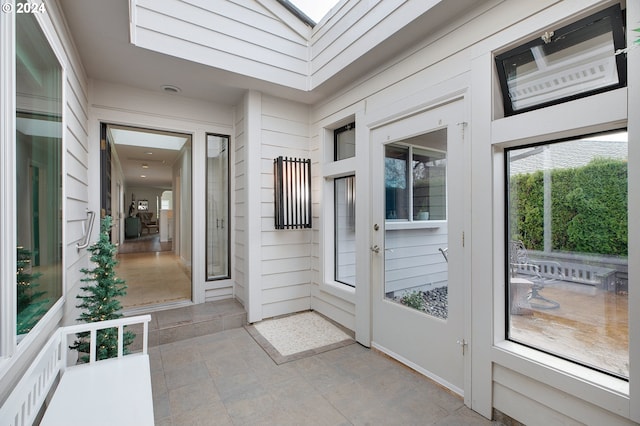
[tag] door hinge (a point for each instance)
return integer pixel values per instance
(463, 239)
(463, 344)
(462, 125)
(103, 144)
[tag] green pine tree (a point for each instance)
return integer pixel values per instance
(100, 299)
(30, 308)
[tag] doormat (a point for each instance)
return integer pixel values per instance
(298, 336)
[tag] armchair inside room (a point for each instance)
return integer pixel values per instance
(148, 222)
(521, 266)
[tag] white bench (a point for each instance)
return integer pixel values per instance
(115, 391)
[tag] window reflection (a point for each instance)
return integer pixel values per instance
(38, 174)
(345, 231)
(567, 250)
(217, 207)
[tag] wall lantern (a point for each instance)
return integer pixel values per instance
(567, 63)
(292, 193)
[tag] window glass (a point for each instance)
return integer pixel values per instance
(572, 61)
(567, 250)
(396, 182)
(217, 207)
(415, 190)
(345, 142)
(345, 230)
(38, 174)
(429, 184)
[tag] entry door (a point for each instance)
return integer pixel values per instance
(417, 243)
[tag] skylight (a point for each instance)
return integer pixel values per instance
(314, 9)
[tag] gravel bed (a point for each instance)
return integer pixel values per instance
(434, 302)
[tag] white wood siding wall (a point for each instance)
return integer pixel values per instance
(75, 158)
(412, 259)
(286, 254)
(239, 210)
(355, 28)
(243, 36)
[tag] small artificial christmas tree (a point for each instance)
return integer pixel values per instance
(100, 299)
(30, 309)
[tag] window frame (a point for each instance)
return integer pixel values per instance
(615, 13)
(335, 228)
(411, 221)
(600, 113)
(336, 133)
(507, 239)
(333, 169)
(206, 185)
(12, 349)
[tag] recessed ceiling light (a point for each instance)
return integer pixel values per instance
(149, 153)
(143, 176)
(145, 166)
(171, 89)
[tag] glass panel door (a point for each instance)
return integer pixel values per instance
(416, 226)
(217, 207)
(417, 253)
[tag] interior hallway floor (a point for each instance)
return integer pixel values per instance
(226, 378)
(153, 278)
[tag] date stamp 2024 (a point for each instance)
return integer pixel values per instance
(23, 8)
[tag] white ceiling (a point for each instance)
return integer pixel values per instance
(137, 148)
(100, 31)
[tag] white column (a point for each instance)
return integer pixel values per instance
(253, 260)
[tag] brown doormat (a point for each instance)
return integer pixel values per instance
(292, 337)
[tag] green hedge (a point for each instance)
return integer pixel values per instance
(588, 208)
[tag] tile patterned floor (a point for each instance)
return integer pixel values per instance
(226, 378)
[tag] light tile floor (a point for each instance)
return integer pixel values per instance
(227, 379)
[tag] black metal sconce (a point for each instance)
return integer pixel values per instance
(292, 193)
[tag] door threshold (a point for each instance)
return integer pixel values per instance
(147, 309)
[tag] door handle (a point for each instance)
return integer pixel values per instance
(375, 249)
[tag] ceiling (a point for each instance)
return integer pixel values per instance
(101, 34)
(100, 31)
(147, 157)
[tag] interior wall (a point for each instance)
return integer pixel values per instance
(151, 194)
(182, 205)
(119, 206)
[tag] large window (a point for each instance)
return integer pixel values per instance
(567, 265)
(218, 207)
(415, 183)
(38, 174)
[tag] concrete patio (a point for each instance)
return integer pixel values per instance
(226, 378)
